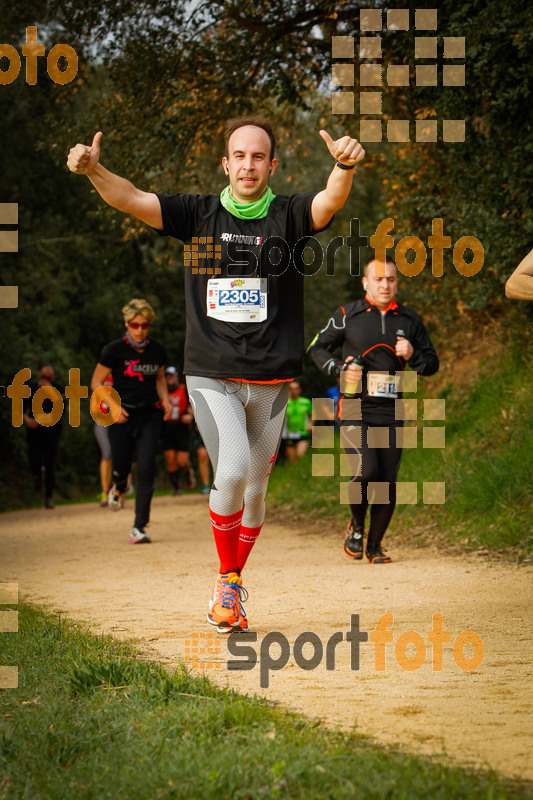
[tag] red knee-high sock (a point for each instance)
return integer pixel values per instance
(247, 539)
(226, 530)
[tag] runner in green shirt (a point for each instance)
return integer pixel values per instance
(297, 423)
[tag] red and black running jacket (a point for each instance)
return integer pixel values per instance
(360, 328)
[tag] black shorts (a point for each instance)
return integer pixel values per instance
(295, 438)
(176, 436)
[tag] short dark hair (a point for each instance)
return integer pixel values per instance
(388, 260)
(259, 122)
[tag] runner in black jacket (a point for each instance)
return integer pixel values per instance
(386, 336)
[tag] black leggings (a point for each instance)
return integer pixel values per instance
(42, 450)
(370, 464)
(141, 430)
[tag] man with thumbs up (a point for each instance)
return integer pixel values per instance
(248, 181)
(244, 339)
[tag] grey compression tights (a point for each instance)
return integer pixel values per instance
(241, 426)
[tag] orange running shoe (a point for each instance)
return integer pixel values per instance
(378, 557)
(225, 607)
(353, 542)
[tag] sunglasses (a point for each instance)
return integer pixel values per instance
(143, 325)
(47, 377)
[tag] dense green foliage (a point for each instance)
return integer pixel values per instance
(91, 719)
(481, 187)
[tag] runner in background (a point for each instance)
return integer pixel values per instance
(137, 365)
(387, 336)
(43, 441)
(244, 338)
(176, 433)
(298, 423)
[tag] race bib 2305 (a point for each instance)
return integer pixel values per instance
(237, 299)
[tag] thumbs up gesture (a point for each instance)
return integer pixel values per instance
(82, 159)
(345, 150)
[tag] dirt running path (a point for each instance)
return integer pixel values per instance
(77, 559)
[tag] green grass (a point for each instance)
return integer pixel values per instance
(487, 462)
(487, 466)
(92, 720)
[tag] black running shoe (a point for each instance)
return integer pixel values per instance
(378, 557)
(353, 542)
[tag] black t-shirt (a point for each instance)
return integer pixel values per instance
(134, 374)
(359, 328)
(262, 351)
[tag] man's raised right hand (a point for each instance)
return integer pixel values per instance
(117, 192)
(82, 159)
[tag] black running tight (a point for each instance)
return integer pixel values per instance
(140, 431)
(374, 460)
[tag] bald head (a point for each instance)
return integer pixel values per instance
(381, 289)
(370, 265)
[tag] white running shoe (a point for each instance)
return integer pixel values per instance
(115, 499)
(138, 536)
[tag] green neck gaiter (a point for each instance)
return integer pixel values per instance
(256, 210)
